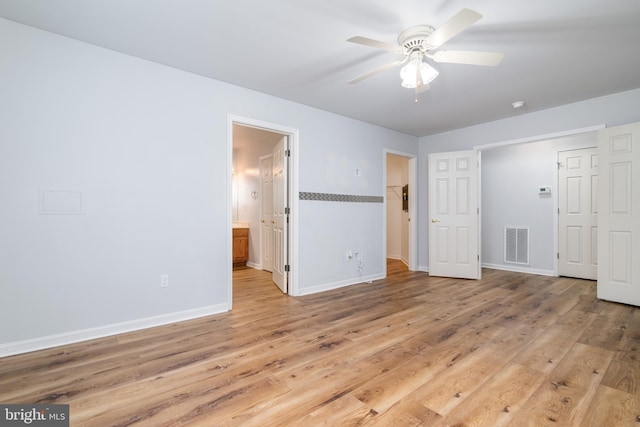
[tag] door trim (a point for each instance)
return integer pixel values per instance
(292, 197)
(413, 205)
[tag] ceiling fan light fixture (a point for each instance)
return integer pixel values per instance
(409, 73)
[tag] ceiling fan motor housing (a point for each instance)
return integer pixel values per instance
(414, 38)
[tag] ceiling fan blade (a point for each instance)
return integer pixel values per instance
(489, 59)
(378, 70)
(375, 43)
(458, 23)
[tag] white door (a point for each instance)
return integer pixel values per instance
(279, 221)
(578, 213)
(619, 214)
(453, 215)
(266, 213)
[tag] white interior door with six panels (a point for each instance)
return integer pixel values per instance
(453, 215)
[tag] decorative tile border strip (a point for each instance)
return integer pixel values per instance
(328, 197)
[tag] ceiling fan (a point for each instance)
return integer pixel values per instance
(423, 41)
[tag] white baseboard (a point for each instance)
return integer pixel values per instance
(40, 343)
(339, 284)
(254, 265)
(423, 268)
(518, 269)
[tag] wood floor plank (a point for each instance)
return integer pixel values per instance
(407, 350)
(406, 378)
(565, 396)
(343, 411)
(406, 412)
(549, 348)
(612, 408)
(497, 400)
(463, 378)
(608, 328)
(624, 372)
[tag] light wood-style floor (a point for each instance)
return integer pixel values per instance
(509, 350)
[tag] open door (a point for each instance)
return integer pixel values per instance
(280, 217)
(453, 215)
(399, 208)
(266, 213)
(619, 214)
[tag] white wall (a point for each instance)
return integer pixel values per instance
(611, 110)
(147, 147)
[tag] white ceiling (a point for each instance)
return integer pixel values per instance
(556, 51)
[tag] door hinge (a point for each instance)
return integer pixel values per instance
(558, 255)
(287, 153)
(287, 268)
(478, 257)
(287, 211)
(478, 211)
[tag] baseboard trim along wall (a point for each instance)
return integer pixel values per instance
(50, 341)
(518, 269)
(340, 284)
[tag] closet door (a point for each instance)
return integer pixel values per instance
(619, 214)
(578, 213)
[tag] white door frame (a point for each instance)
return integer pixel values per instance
(413, 205)
(292, 201)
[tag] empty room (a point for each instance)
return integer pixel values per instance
(311, 213)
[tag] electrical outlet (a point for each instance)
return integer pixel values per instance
(164, 280)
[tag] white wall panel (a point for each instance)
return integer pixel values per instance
(463, 193)
(620, 257)
(464, 245)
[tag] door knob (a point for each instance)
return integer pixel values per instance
(434, 220)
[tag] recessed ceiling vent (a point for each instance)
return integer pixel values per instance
(516, 245)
